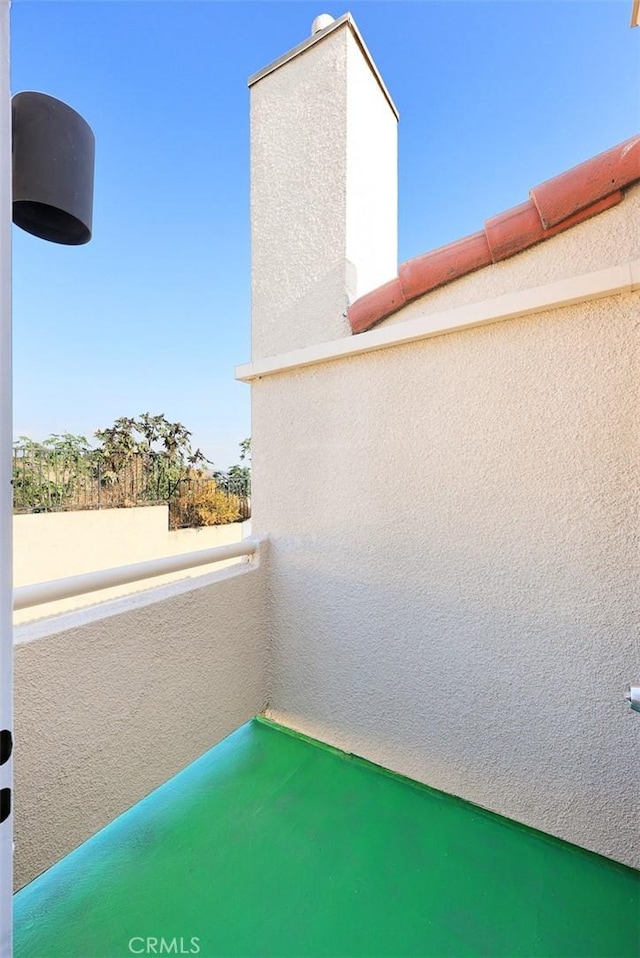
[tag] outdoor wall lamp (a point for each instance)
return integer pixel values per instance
(53, 163)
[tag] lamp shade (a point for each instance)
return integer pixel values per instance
(53, 164)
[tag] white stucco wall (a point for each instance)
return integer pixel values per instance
(323, 192)
(55, 545)
(112, 701)
(454, 562)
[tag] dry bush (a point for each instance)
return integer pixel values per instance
(203, 504)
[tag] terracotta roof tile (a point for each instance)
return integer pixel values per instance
(378, 304)
(520, 227)
(514, 230)
(564, 195)
(555, 206)
(419, 275)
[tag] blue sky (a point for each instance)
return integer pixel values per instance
(154, 313)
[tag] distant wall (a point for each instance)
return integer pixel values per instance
(54, 545)
(112, 701)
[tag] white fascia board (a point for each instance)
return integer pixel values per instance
(565, 292)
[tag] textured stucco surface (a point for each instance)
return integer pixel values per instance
(55, 545)
(323, 186)
(606, 240)
(109, 709)
(454, 562)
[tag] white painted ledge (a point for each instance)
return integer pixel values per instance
(623, 278)
(101, 611)
(30, 595)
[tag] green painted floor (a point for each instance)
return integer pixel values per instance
(273, 845)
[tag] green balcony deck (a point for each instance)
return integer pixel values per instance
(274, 845)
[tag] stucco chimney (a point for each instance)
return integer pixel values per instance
(323, 188)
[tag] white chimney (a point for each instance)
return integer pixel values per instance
(323, 188)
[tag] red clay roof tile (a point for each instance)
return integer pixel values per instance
(564, 195)
(377, 305)
(440, 266)
(555, 206)
(520, 227)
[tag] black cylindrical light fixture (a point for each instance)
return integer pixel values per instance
(53, 163)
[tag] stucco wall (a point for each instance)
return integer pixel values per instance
(112, 701)
(323, 193)
(58, 544)
(454, 561)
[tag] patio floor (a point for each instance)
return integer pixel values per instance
(275, 845)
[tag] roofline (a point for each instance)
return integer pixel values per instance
(623, 278)
(553, 207)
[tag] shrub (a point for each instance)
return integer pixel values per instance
(203, 504)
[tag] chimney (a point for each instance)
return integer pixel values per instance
(323, 188)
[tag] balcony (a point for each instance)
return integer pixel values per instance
(399, 728)
(272, 844)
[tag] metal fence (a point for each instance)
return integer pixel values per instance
(47, 480)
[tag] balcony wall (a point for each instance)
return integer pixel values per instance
(111, 701)
(54, 545)
(453, 548)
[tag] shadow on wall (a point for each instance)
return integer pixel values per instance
(452, 661)
(110, 708)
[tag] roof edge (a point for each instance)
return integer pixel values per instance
(553, 207)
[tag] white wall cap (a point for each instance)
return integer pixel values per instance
(149, 595)
(624, 278)
(345, 20)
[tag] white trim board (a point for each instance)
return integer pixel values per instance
(624, 278)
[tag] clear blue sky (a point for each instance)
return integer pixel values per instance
(154, 313)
